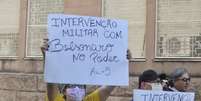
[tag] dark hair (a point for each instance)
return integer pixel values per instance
(169, 83)
(147, 76)
(178, 72)
(163, 76)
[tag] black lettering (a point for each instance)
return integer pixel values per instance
(156, 97)
(113, 35)
(173, 97)
(114, 24)
(89, 32)
(64, 22)
(86, 22)
(56, 22)
(72, 46)
(93, 56)
(183, 97)
(79, 33)
(101, 23)
(67, 33)
(100, 71)
(166, 97)
(79, 56)
(144, 96)
(92, 72)
(151, 97)
(109, 23)
(81, 22)
(180, 97)
(109, 47)
(97, 58)
(160, 97)
(92, 23)
(106, 34)
(55, 45)
(75, 22)
(95, 48)
(70, 22)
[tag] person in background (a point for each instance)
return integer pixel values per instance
(180, 80)
(165, 82)
(149, 80)
(69, 92)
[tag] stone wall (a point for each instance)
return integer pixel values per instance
(23, 81)
(21, 87)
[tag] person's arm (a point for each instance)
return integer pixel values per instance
(100, 94)
(52, 89)
(104, 92)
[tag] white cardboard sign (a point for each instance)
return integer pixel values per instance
(149, 95)
(86, 50)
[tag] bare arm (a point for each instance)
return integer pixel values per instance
(105, 92)
(52, 89)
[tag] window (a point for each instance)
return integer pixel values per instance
(37, 23)
(9, 27)
(134, 11)
(178, 29)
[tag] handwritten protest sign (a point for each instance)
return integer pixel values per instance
(86, 50)
(148, 95)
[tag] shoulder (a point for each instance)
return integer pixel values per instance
(94, 96)
(59, 97)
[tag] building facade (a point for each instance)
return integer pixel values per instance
(163, 35)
